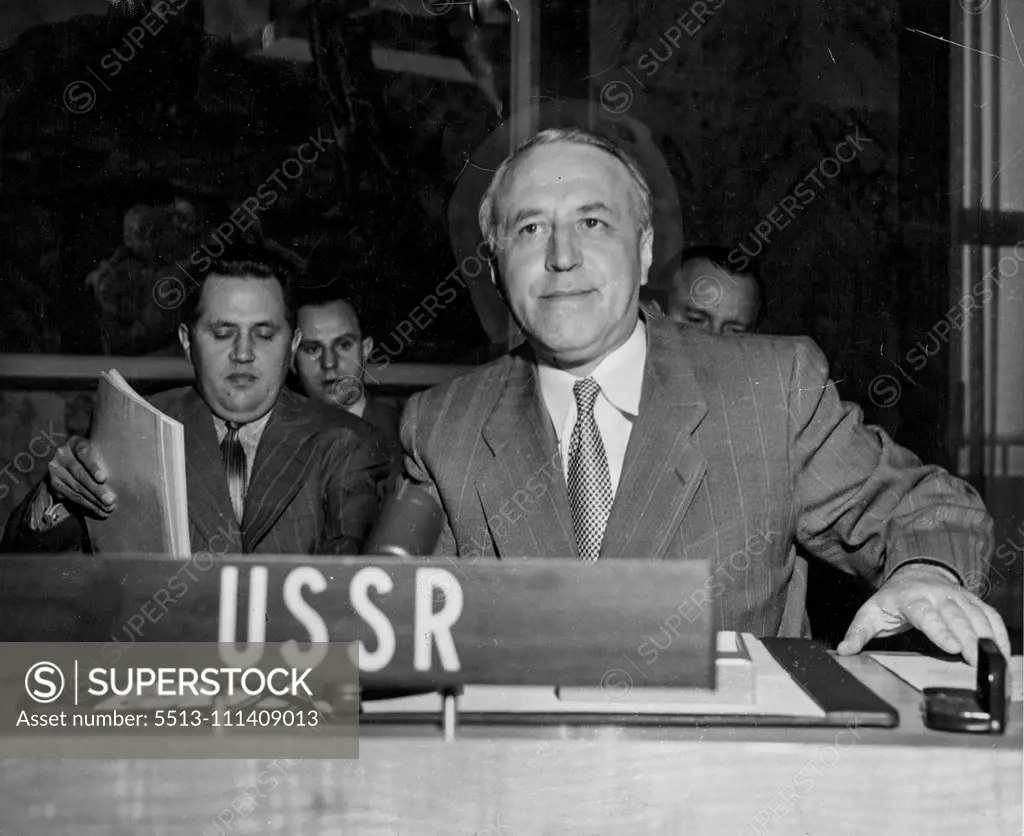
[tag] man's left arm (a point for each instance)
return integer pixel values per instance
(915, 531)
(356, 469)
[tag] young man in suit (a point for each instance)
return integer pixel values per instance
(613, 436)
(267, 470)
(706, 292)
(330, 367)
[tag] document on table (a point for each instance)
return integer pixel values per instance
(775, 694)
(927, 672)
(144, 452)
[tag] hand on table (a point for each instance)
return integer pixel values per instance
(929, 598)
(77, 476)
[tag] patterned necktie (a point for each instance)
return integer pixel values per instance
(234, 464)
(590, 484)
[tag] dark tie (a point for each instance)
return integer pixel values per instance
(234, 464)
(590, 484)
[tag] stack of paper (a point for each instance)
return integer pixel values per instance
(143, 452)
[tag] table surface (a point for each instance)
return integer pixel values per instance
(905, 699)
(555, 780)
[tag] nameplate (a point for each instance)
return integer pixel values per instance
(420, 622)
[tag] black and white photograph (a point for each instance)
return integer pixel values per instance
(511, 417)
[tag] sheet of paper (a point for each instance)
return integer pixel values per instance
(775, 694)
(926, 672)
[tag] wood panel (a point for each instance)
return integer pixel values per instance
(531, 621)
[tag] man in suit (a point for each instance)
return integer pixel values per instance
(267, 471)
(330, 366)
(705, 291)
(614, 435)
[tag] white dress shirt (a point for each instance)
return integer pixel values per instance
(620, 376)
(359, 407)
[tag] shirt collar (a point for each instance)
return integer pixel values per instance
(359, 407)
(247, 432)
(620, 376)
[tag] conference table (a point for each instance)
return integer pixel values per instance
(552, 780)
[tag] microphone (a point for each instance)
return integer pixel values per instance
(409, 525)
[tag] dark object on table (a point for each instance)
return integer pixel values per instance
(982, 711)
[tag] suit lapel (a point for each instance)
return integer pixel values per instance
(663, 466)
(209, 503)
(284, 460)
(522, 441)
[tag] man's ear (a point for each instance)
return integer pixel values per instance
(296, 339)
(185, 338)
(367, 349)
(646, 253)
(492, 265)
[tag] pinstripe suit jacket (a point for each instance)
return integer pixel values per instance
(741, 447)
(312, 488)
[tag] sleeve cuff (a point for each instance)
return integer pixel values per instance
(45, 512)
(938, 564)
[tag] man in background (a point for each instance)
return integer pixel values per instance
(267, 470)
(330, 365)
(706, 292)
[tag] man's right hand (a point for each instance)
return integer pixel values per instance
(77, 476)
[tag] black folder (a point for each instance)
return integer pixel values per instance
(843, 697)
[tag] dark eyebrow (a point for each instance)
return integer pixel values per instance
(344, 335)
(587, 208)
(522, 215)
(595, 207)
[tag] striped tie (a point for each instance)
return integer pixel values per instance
(234, 464)
(590, 483)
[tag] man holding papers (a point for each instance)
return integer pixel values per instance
(267, 470)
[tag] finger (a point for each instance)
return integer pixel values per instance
(956, 612)
(70, 488)
(89, 458)
(987, 622)
(864, 627)
(77, 475)
(999, 632)
(67, 491)
(925, 617)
